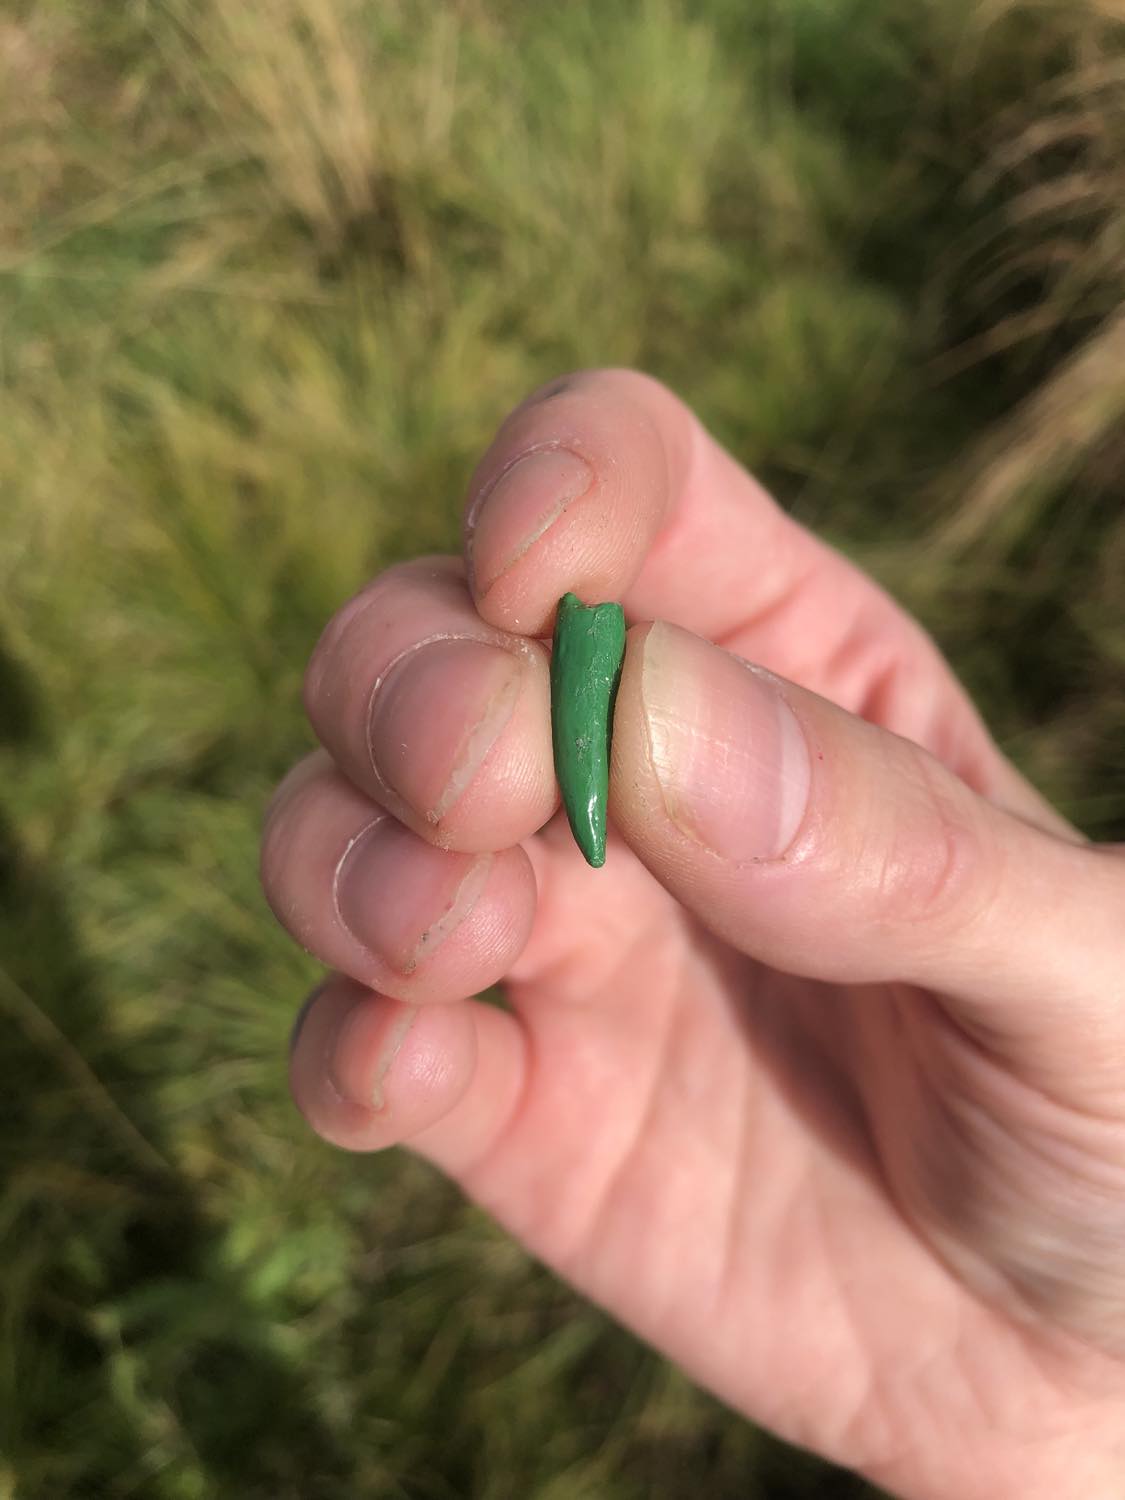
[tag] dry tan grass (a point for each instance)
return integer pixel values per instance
(1046, 440)
(31, 115)
(315, 94)
(1054, 175)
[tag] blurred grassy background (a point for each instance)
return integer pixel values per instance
(270, 273)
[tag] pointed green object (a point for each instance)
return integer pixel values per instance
(586, 661)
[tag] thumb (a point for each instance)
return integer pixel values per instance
(828, 847)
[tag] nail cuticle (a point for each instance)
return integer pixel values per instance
(336, 1048)
(461, 905)
(347, 857)
(390, 1051)
(472, 514)
(476, 746)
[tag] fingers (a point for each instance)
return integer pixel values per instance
(604, 483)
(440, 717)
(830, 848)
(369, 897)
(369, 1072)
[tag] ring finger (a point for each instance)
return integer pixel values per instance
(367, 896)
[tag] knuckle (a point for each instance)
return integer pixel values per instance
(933, 874)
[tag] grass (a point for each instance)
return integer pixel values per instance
(269, 276)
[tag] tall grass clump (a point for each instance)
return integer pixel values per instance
(1032, 512)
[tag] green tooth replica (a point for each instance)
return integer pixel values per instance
(586, 661)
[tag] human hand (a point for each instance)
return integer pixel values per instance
(819, 1085)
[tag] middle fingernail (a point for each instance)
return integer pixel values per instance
(400, 898)
(435, 717)
(523, 503)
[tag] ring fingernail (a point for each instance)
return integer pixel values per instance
(399, 898)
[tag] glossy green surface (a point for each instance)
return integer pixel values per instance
(585, 669)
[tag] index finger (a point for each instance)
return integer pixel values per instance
(606, 484)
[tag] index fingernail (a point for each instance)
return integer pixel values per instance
(527, 499)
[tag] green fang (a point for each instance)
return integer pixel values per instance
(586, 661)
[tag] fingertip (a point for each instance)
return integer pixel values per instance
(571, 496)
(427, 926)
(368, 1071)
(370, 898)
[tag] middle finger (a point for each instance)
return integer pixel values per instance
(443, 719)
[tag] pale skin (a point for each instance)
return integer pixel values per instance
(819, 1085)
